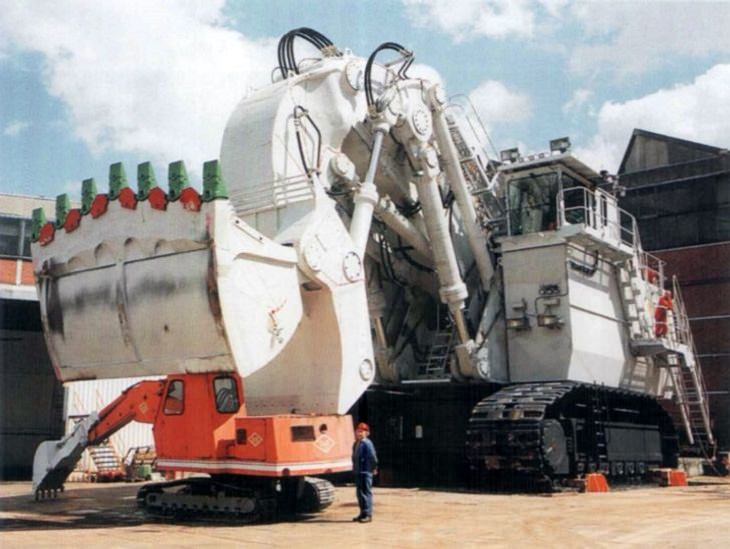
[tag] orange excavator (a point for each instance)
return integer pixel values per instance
(200, 425)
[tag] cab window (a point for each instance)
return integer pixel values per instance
(175, 398)
(532, 203)
(226, 395)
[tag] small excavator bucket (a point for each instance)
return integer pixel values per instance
(55, 459)
(151, 282)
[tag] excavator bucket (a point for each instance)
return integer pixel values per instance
(55, 459)
(153, 283)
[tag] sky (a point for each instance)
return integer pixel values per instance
(85, 83)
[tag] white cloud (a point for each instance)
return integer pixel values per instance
(157, 79)
(470, 18)
(427, 72)
(580, 97)
(698, 111)
(554, 8)
(630, 37)
(73, 190)
(15, 128)
(633, 37)
(496, 104)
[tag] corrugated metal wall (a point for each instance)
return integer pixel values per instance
(84, 397)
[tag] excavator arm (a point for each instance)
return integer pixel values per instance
(55, 459)
(138, 403)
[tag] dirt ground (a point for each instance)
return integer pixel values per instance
(104, 515)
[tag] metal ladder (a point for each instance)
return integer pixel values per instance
(487, 206)
(689, 384)
(439, 353)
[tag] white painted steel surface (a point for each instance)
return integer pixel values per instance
(278, 296)
(55, 459)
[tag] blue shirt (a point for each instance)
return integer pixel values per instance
(364, 458)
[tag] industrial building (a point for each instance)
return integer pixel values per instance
(31, 399)
(679, 192)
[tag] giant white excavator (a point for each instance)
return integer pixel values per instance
(353, 232)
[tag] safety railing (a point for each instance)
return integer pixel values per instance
(651, 268)
(475, 171)
(473, 122)
(682, 330)
(692, 397)
(597, 210)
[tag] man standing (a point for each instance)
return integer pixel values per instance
(364, 465)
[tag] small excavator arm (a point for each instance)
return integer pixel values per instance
(55, 459)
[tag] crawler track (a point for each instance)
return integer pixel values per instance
(234, 499)
(559, 430)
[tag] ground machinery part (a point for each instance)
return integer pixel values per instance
(315, 495)
(560, 430)
(258, 466)
(237, 498)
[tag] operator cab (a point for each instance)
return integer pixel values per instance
(555, 192)
(534, 186)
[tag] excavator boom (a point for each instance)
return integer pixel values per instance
(55, 459)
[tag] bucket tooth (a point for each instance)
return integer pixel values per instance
(148, 188)
(146, 180)
(63, 206)
(37, 222)
(119, 188)
(47, 234)
(88, 194)
(177, 179)
(213, 185)
(190, 199)
(73, 220)
(117, 180)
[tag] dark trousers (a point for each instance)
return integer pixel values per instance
(364, 489)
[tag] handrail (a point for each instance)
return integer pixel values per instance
(684, 334)
(592, 210)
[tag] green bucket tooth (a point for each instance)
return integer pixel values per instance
(88, 194)
(213, 185)
(177, 179)
(117, 180)
(146, 180)
(63, 206)
(37, 222)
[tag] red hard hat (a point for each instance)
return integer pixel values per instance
(362, 427)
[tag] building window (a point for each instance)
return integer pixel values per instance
(175, 399)
(226, 395)
(14, 237)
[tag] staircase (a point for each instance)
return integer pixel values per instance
(487, 207)
(641, 279)
(107, 461)
(690, 392)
